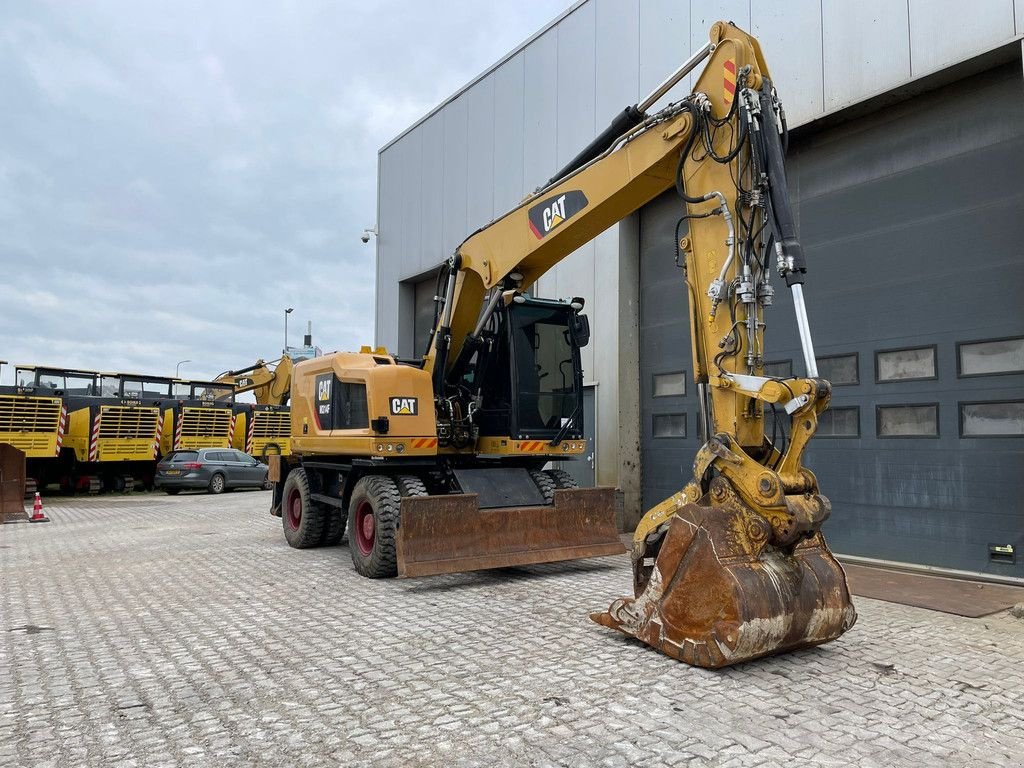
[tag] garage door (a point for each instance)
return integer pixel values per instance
(913, 223)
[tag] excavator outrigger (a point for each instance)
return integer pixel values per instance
(732, 567)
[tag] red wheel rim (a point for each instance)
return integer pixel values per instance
(366, 529)
(294, 510)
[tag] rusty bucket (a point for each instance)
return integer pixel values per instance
(719, 593)
(12, 484)
(450, 534)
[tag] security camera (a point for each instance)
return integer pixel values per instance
(367, 234)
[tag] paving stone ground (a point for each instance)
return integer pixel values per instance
(147, 630)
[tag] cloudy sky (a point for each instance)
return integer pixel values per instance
(174, 174)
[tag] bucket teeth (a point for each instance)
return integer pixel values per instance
(719, 593)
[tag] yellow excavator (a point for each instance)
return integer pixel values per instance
(436, 464)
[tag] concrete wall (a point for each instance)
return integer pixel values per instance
(506, 132)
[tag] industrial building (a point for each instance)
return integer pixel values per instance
(905, 168)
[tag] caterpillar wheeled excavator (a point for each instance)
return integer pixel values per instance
(436, 464)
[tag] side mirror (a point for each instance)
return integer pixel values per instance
(580, 326)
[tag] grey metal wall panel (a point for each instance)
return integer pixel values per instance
(388, 245)
(866, 49)
(540, 115)
(509, 87)
(790, 37)
(1018, 12)
(480, 151)
(617, 57)
(456, 173)
(431, 194)
(927, 254)
(575, 128)
(410, 159)
(943, 32)
(664, 347)
(704, 13)
(664, 33)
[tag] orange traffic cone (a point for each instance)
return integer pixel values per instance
(37, 511)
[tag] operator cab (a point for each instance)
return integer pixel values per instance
(538, 393)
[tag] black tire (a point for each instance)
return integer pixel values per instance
(561, 478)
(267, 485)
(546, 485)
(304, 524)
(217, 484)
(172, 491)
(373, 545)
(410, 485)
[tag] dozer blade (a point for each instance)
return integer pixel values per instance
(719, 593)
(449, 534)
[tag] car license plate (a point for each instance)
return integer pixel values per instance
(173, 472)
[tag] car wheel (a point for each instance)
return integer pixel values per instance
(267, 485)
(216, 483)
(172, 491)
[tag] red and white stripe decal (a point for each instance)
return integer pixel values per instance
(424, 442)
(249, 433)
(158, 434)
(729, 81)
(94, 439)
(61, 426)
(178, 428)
(231, 431)
(532, 446)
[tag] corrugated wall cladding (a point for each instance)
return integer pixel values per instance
(508, 131)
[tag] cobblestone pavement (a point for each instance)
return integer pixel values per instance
(148, 630)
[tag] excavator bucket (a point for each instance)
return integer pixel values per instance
(12, 484)
(718, 593)
(450, 534)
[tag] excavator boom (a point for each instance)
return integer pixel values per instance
(734, 566)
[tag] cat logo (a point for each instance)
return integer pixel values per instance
(549, 214)
(323, 390)
(404, 406)
(243, 382)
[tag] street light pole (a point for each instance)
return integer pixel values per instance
(286, 313)
(177, 368)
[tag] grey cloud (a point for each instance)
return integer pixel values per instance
(173, 175)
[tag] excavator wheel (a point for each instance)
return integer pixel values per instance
(545, 483)
(334, 530)
(561, 478)
(304, 520)
(718, 592)
(372, 521)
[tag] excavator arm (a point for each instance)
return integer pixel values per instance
(734, 566)
(270, 385)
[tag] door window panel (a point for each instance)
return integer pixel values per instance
(908, 421)
(669, 425)
(992, 419)
(906, 364)
(839, 422)
(669, 384)
(979, 358)
(840, 370)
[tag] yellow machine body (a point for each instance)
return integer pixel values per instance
(34, 425)
(732, 567)
(262, 431)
